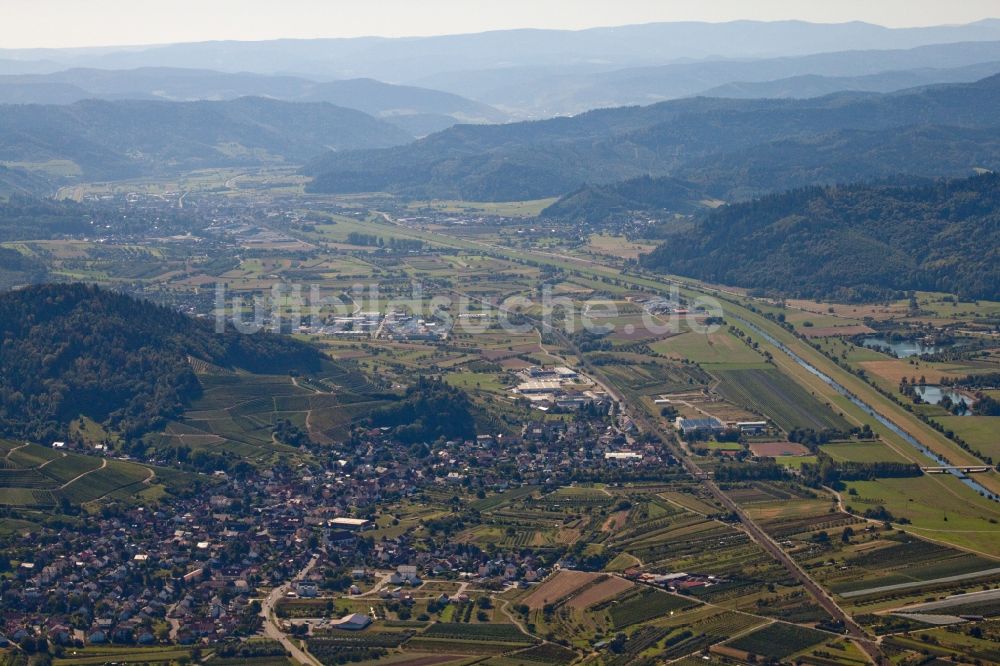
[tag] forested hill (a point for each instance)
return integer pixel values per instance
(71, 349)
(116, 139)
(431, 409)
(946, 130)
(859, 241)
(595, 204)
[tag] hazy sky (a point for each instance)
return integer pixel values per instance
(55, 23)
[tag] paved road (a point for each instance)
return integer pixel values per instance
(271, 626)
(825, 600)
(644, 423)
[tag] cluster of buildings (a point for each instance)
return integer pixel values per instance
(397, 325)
(194, 569)
(356, 325)
(559, 386)
(144, 577)
(711, 426)
(675, 582)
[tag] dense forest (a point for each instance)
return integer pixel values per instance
(71, 350)
(620, 202)
(24, 218)
(15, 181)
(731, 149)
(17, 269)
(853, 242)
(430, 410)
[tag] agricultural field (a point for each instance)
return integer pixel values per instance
(236, 414)
(38, 477)
(862, 451)
(508, 209)
(872, 568)
(618, 247)
(778, 641)
(979, 431)
(638, 375)
(774, 395)
(99, 655)
(948, 643)
(562, 587)
(957, 514)
(720, 347)
(411, 645)
(644, 605)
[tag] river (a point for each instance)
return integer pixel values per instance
(884, 420)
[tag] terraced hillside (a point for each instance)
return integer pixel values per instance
(35, 476)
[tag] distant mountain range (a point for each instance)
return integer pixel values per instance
(106, 140)
(816, 85)
(854, 242)
(730, 149)
(574, 92)
(412, 58)
(540, 73)
(418, 111)
(770, 106)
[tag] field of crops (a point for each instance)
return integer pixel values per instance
(25, 478)
(449, 646)
(645, 605)
(950, 646)
(500, 499)
(905, 561)
(501, 633)
(779, 640)
(559, 586)
(37, 476)
(779, 398)
(547, 653)
(341, 639)
(116, 476)
(96, 656)
(63, 470)
(638, 375)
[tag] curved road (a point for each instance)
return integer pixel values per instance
(271, 627)
(641, 418)
(754, 531)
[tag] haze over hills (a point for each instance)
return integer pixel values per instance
(788, 143)
(20, 181)
(409, 59)
(106, 139)
(409, 107)
(573, 92)
(816, 85)
(528, 73)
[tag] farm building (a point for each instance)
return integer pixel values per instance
(752, 427)
(352, 622)
(707, 425)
